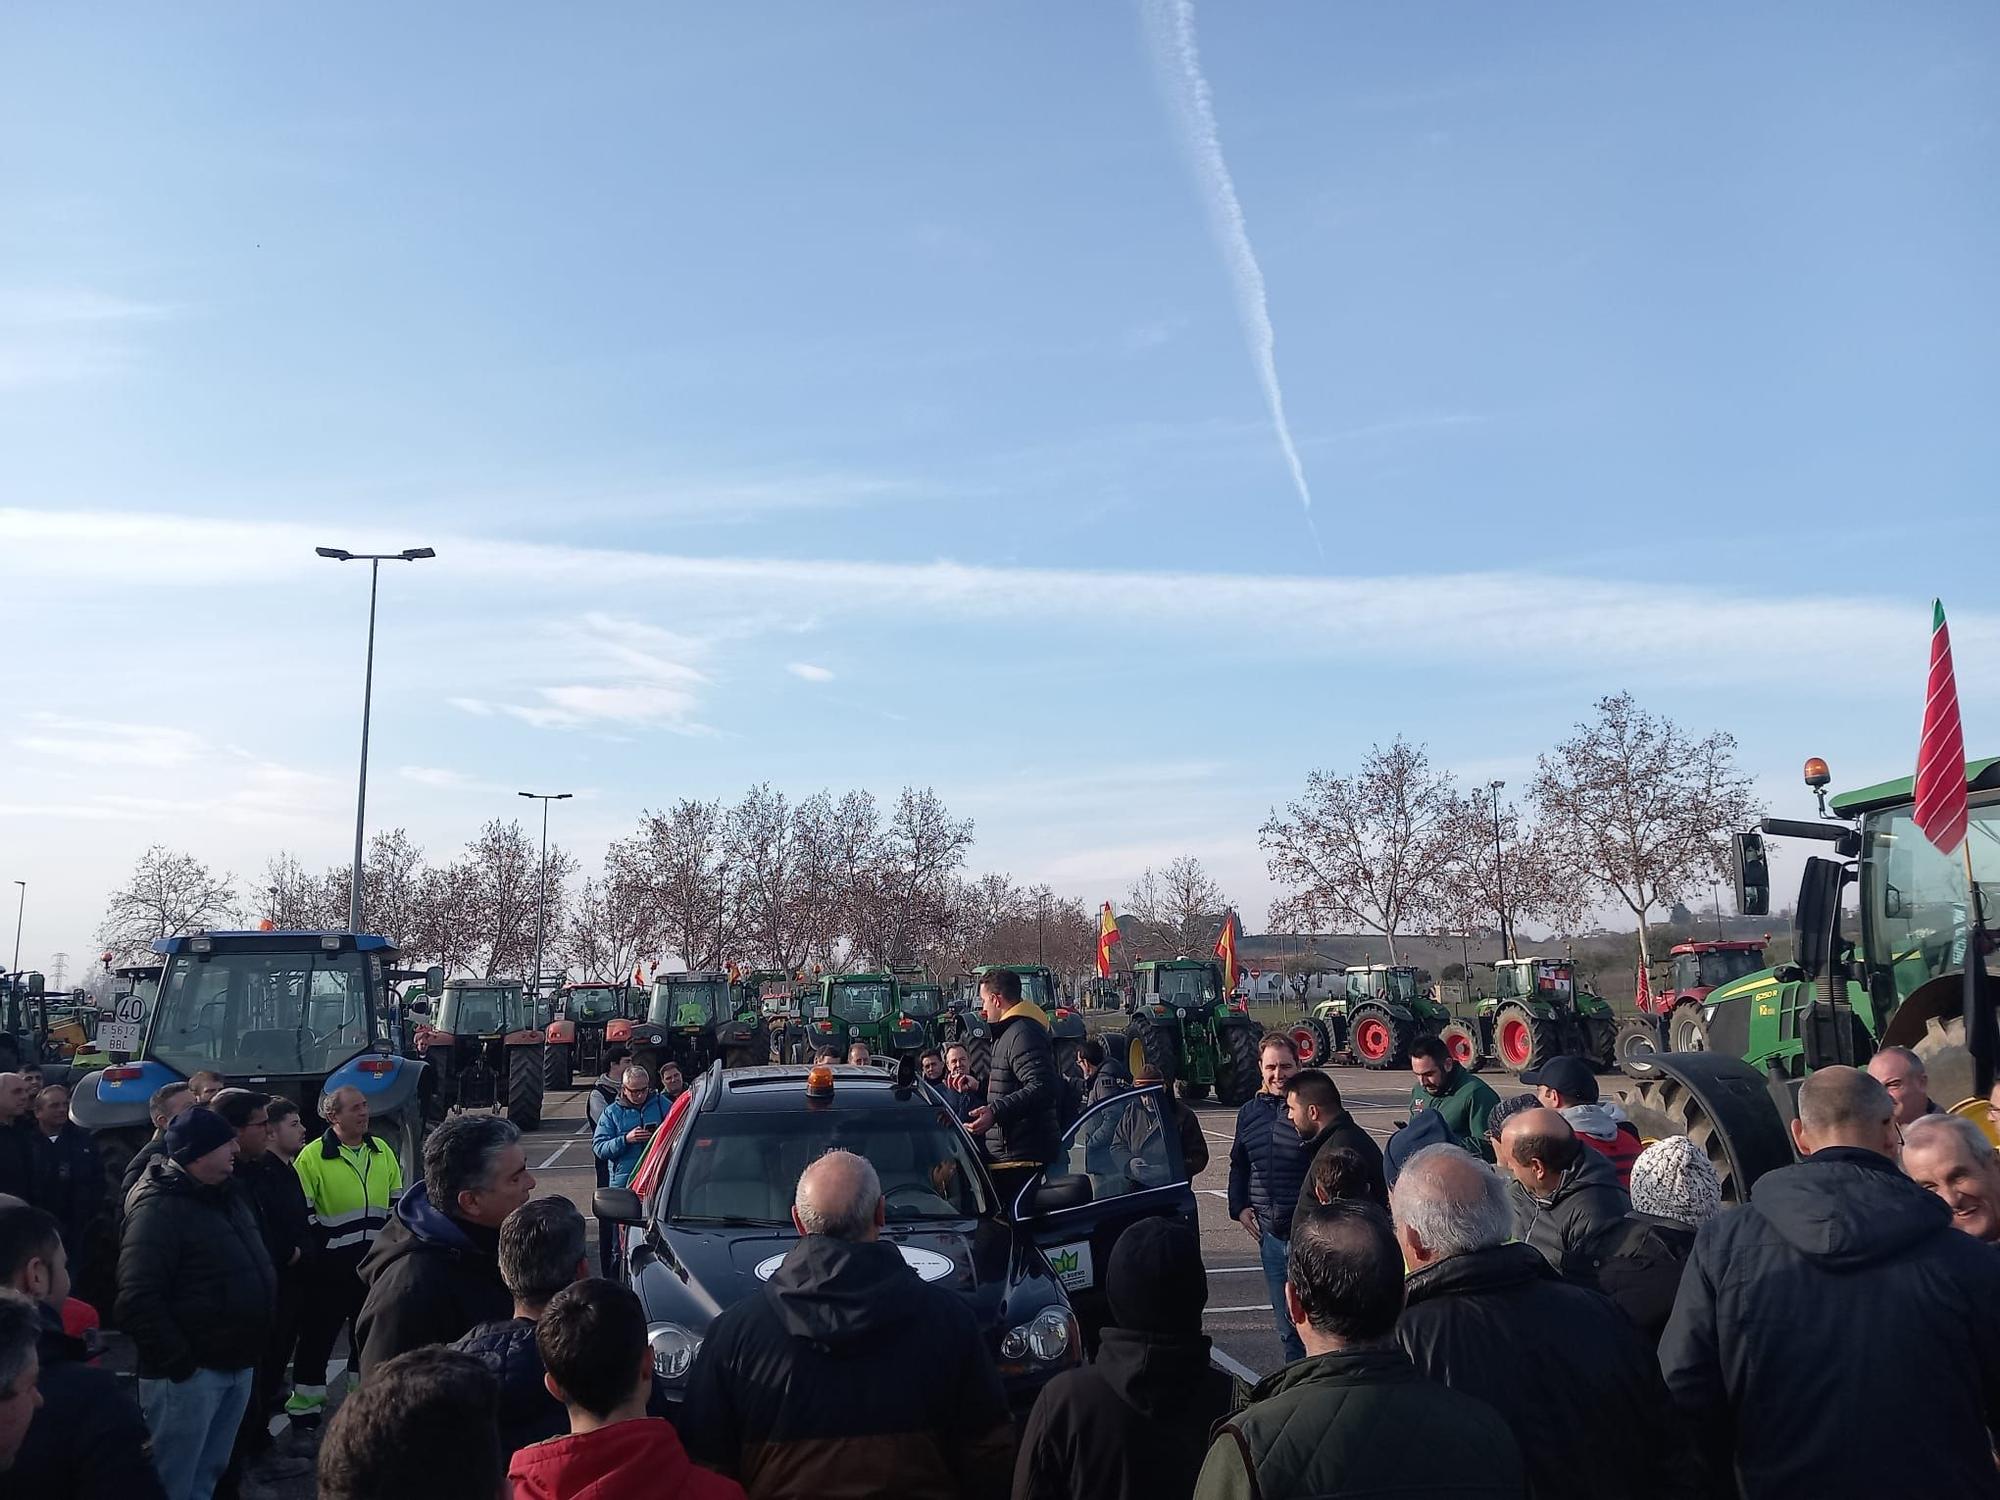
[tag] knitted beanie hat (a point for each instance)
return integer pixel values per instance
(1674, 1179)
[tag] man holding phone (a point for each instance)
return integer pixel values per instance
(627, 1123)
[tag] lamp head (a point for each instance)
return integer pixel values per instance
(338, 554)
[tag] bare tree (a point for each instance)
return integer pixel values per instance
(777, 914)
(390, 876)
(1638, 809)
(289, 896)
(168, 892)
(446, 923)
(1182, 905)
(675, 865)
(506, 888)
(609, 930)
(1373, 848)
(904, 888)
(1525, 872)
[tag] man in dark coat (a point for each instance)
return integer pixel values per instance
(1674, 1192)
(17, 1162)
(1312, 1102)
(69, 1178)
(1489, 1318)
(1355, 1418)
(1018, 1117)
(811, 1375)
(1565, 1195)
(168, 1100)
(1267, 1162)
(88, 1441)
(1134, 1423)
(1136, 1133)
(197, 1295)
(1835, 1255)
(434, 1274)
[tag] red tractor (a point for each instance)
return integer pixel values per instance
(1671, 1019)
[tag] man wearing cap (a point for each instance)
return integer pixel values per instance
(1568, 1085)
(1133, 1424)
(197, 1295)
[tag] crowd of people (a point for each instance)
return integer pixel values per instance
(1512, 1298)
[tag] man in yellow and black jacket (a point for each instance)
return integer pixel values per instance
(351, 1179)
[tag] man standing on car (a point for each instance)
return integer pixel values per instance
(1019, 1115)
(1267, 1164)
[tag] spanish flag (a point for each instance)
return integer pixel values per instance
(1225, 949)
(1107, 934)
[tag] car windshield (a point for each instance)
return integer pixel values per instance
(262, 1013)
(739, 1168)
(484, 1011)
(859, 1003)
(1729, 965)
(1189, 986)
(697, 1004)
(1916, 896)
(598, 1003)
(923, 1000)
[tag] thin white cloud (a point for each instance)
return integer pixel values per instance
(103, 742)
(67, 335)
(635, 677)
(1170, 24)
(807, 672)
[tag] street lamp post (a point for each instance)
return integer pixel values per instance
(542, 906)
(20, 910)
(1500, 872)
(374, 561)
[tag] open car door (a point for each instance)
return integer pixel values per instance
(1121, 1162)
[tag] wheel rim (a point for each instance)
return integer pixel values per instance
(1459, 1044)
(1515, 1044)
(1135, 1057)
(1306, 1045)
(1371, 1038)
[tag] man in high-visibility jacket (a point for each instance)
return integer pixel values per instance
(350, 1178)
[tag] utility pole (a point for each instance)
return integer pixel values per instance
(20, 910)
(1500, 873)
(58, 968)
(542, 906)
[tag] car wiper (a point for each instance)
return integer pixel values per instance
(730, 1221)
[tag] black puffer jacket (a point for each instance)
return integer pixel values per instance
(1344, 1134)
(431, 1279)
(1639, 1267)
(528, 1413)
(1834, 1256)
(1560, 1363)
(196, 1290)
(88, 1441)
(1131, 1425)
(282, 1212)
(803, 1389)
(1587, 1202)
(1021, 1088)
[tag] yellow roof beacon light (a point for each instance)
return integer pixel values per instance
(819, 1082)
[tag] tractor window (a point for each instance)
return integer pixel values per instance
(859, 1004)
(599, 1003)
(693, 1004)
(1687, 971)
(923, 1001)
(1728, 966)
(1189, 987)
(259, 1014)
(1915, 918)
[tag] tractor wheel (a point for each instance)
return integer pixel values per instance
(1462, 1042)
(1686, 1030)
(524, 1087)
(1241, 1076)
(1636, 1042)
(1379, 1039)
(555, 1068)
(1312, 1042)
(1523, 1040)
(979, 1057)
(1662, 1107)
(1067, 1049)
(648, 1059)
(1151, 1046)
(1600, 1041)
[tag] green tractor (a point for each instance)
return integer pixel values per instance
(1536, 1012)
(1897, 982)
(859, 1006)
(1384, 1009)
(1039, 988)
(1186, 1026)
(697, 1017)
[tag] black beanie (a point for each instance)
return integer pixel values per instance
(195, 1132)
(1155, 1282)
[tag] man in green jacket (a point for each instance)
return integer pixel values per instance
(1351, 1418)
(1460, 1095)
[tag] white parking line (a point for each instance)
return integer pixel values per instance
(1232, 1271)
(1234, 1367)
(1262, 1307)
(554, 1156)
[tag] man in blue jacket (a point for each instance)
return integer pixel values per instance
(627, 1123)
(1267, 1164)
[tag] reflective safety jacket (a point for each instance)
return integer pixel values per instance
(349, 1189)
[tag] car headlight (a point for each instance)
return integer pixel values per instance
(1045, 1338)
(674, 1349)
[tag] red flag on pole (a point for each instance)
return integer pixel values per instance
(1644, 999)
(1107, 934)
(1225, 949)
(1940, 789)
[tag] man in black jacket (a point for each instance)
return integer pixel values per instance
(1312, 1101)
(1837, 1254)
(17, 1165)
(168, 1100)
(88, 1441)
(811, 1375)
(1490, 1318)
(1133, 1424)
(1566, 1196)
(434, 1274)
(1021, 1086)
(197, 1294)
(69, 1179)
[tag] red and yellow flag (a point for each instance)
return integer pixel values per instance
(1940, 788)
(1225, 949)
(1107, 934)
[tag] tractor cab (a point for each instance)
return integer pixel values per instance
(1392, 982)
(1193, 985)
(689, 1002)
(1701, 967)
(487, 1043)
(705, 1016)
(1533, 979)
(596, 1004)
(484, 1008)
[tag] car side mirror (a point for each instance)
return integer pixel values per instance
(1054, 1194)
(35, 986)
(617, 1206)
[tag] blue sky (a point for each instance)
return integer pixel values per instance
(859, 394)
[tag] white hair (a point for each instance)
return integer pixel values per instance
(638, 1071)
(1453, 1202)
(837, 1196)
(1918, 1133)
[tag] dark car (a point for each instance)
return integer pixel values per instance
(709, 1212)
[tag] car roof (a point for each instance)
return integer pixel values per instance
(781, 1089)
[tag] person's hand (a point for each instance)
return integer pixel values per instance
(637, 1134)
(1138, 1164)
(1248, 1219)
(980, 1120)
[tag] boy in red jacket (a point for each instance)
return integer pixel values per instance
(592, 1341)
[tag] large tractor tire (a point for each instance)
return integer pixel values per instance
(1312, 1041)
(1067, 1049)
(524, 1087)
(1523, 1040)
(1151, 1046)
(1686, 1030)
(1462, 1042)
(1726, 1107)
(1600, 1038)
(1240, 1075)
(1637, 1041)
(1380, 1040)
(556, 1072)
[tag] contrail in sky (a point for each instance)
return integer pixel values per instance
(1170, 24)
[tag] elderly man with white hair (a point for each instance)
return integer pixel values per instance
(1951, 1159)
(846, 1372)
(1489, 1317)
(628, 1123)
